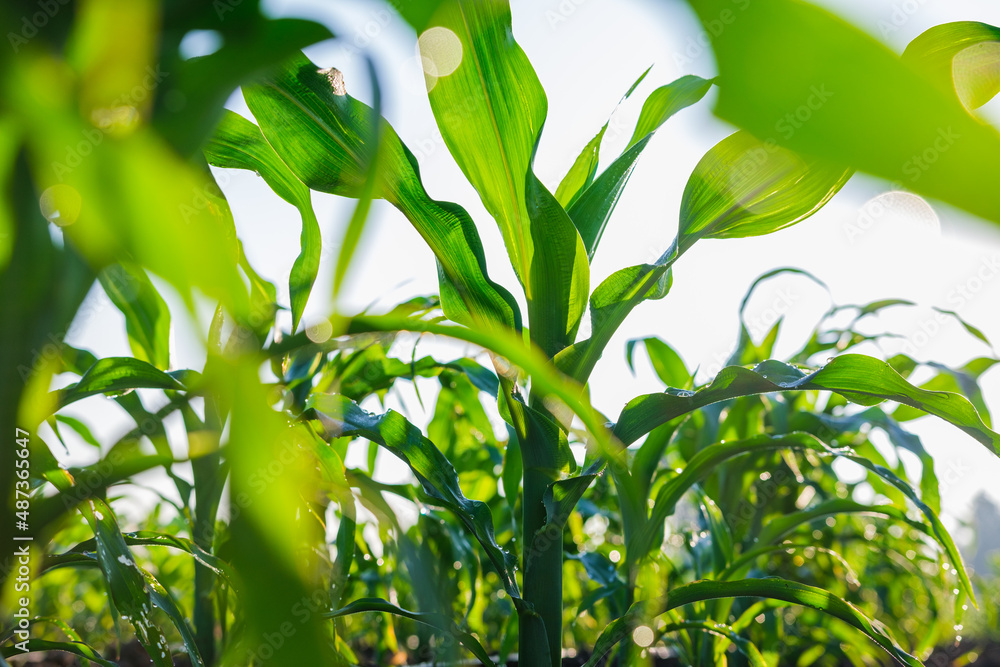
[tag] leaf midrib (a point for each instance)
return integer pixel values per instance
(518, 227)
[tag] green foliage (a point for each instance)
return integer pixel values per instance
(708, 518)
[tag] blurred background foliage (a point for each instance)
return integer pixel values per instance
(271, 512)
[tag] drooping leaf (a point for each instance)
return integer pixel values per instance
(147, 319)
(746, 187)
(858, 378)
(237, 143)
(78, 648)
(321, 133)
(130, 595)
(341, 416)
(117, 374)
(437, 621)
(773, 588)
(80, 428)
(150, 539)
(667, 364)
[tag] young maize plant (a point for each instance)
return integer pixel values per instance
(707, 518)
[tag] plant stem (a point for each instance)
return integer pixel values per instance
(542, 575)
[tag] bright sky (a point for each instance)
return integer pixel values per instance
(865, 245)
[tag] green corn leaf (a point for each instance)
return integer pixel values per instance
(973, 331)
(560, 498)
(798, 74)
(581, 175)
(490, 107)
(593, 207)
(73, 635)
(163, 599)
(560, 271)
(370, 371)
(610, 304)
(80, 428)
(130, 594)
(781, 527)
(962, 380)
(417, 13)
(322, 134)
(116, 375)
(743, 645)
(940, 532)
(147, 538)
(822, 423)
(238, 144)
(250, 43)
(858, 378)
(961, 58)
(703, 464)
(77, 648)
(718, 530)
(506, 345)
(263, 301)
(147, 319)
(437, 621)
(355, 226)
(707, 459)
(85, 554)
(647, 458)
(746, 187)
(666, 101)
(121, 463)
(771, 588)
(342, 417)
(667, 364)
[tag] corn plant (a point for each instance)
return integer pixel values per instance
(285, 573)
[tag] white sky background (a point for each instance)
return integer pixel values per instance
(587, 53)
